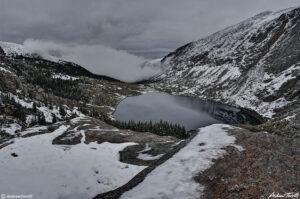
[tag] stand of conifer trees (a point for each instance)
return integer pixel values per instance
(161, 128)
(59, 87)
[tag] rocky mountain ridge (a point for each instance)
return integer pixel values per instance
(254, 64)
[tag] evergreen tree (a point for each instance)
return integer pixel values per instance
(34, 107)
(62, 110)
(161, 128)
(54, 120)
(41, 119)
(50, 106)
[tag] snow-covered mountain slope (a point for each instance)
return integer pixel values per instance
(13, 49)
(254, 64)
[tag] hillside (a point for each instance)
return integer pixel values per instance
(37, 91)
(58, 137)
(254, 64)
(52, 117)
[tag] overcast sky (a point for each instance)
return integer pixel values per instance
(115, 37)
(150, 28)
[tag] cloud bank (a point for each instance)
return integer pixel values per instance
(98, 59)
(147, 28)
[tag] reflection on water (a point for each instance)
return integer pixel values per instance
(189, 112)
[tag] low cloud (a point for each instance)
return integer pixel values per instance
(145, 28)
(99, 59)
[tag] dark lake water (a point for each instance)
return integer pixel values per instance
(189, 112)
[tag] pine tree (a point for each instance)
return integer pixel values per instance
(54, 120)
(62, 111)
(50, 106)
(41, 119)
(34, 107)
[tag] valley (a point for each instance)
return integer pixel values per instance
(229, 105)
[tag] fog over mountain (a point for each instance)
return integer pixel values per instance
(98, 59)
(122, 32)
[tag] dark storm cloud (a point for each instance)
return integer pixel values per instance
(143, 27)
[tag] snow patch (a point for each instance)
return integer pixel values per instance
(5, 70)
(10, 128)
(143, 156)
(174, 178)
(64, 77)
(35, 129)
(50, 171)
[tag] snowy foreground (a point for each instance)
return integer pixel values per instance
(51, 171)
(33, 166)
(174, 178)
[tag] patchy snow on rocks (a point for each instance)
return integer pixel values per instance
(34, 129)
(48, 113)
(64, 77)
(59, 171)
(174, 178)
(290, 117)
(5, 70)
(10, 128)
(253, 64)
(144, 156)
(283, 77)
(23, 103)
